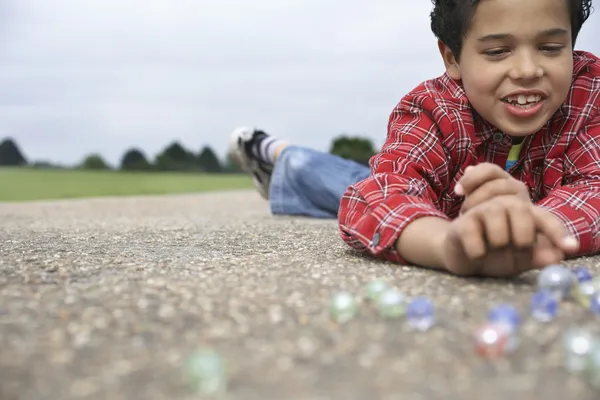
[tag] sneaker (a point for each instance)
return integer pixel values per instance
(241, 141)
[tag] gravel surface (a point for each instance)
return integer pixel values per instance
(106, 298)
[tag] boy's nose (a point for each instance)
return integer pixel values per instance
(526, 66)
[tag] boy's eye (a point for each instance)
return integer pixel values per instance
(495, 52)
(551, 49)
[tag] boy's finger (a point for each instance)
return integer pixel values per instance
(553, 228)
(522, 227)
(497, 228)
(477, 176)
(472, 238)
(545, 253)
(493, 188)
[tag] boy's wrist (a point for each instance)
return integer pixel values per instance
(422, 242)
(439, 248)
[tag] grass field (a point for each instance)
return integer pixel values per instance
(23, 184)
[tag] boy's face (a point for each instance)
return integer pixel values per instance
(515, 52)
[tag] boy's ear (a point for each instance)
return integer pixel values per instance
(449, 61)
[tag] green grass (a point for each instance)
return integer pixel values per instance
(23, 184)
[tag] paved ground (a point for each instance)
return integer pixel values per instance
(104, 299)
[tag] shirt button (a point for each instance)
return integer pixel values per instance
(498, 137)
(375, 241)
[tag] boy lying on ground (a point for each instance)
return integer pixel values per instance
(491, 169)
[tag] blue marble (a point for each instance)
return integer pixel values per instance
(505, 314)
(582, 274)
(420, 313)
(556, 279)
(543, 306)
(595, 303)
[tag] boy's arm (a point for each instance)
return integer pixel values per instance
(405, 184)
(422, 242)
(577, 201)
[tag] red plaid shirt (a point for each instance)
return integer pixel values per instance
(433, 135)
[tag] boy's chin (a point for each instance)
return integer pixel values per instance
(521, 130)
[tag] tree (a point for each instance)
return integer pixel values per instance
(359, 149)
(175, 158)
(10, 155)
(134, 160)
(94, 161)
(208, 161)
(176, 152)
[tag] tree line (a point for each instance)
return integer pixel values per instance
(175, 157)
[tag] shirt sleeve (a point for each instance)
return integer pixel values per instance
(577, 200)
(407, 178)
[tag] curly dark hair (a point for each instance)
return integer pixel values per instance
(450, 19)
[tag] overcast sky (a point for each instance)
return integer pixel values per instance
(86, 76)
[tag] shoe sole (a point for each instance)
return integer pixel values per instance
(237, 155)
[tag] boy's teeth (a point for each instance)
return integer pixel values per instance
(523, 99)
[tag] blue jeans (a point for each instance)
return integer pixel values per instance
(311, 183)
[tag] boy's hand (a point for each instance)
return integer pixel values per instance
(485, 181)
(504, 236)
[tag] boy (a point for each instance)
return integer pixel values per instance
(491, 169)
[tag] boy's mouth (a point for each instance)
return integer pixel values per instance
(523, 101)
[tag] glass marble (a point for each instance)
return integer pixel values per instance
(577, 344)
(543, 306)
(343, 307)
(582, 293)
(505, 314)
(582, 274)
(391, 303)
(556, 279)
(420, 313)
(592, 370)
(494, 340)
(206, 372)
(595, 303)
(375, 288)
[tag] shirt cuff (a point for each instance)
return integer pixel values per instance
(379, 230)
